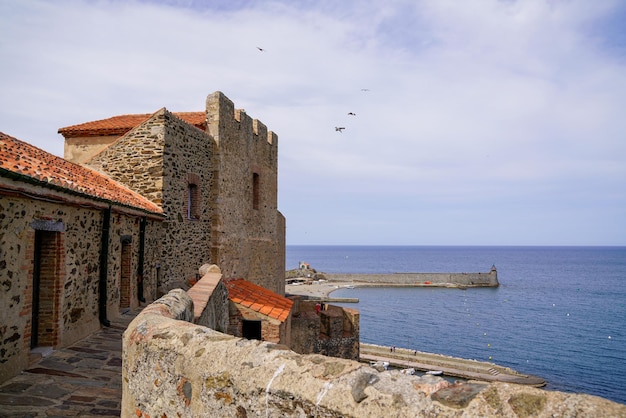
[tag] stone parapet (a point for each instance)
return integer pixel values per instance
(172, 367)
(210, 299)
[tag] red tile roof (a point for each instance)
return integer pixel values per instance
(26, 162)
(120, 125)
(258, 299)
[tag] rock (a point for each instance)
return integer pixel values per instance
(458, 395)
(362, 381)
(430, 384)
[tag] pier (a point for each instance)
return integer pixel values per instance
(450, 366)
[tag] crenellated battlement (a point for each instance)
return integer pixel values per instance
(221, 109)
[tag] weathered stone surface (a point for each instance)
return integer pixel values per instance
(430, 384)
(235, 377)
(527, 404)
(458, 395)
(361, 382)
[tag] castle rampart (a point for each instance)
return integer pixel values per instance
(172, 367)
(247, 226)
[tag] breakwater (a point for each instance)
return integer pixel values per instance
(459, 280)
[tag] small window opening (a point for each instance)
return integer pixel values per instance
(193, 202)
(255, 191)
(251, 330)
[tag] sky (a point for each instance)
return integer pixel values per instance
(476, 122)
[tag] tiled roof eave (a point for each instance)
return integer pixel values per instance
(89, 133)
(31, 180)
(122, 124)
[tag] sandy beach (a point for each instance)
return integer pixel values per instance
(320, 290)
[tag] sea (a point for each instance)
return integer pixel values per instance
(559, 312)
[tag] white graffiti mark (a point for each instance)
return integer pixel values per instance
(267, 390)
(323, 392)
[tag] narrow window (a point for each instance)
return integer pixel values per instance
(255, 190)
(193, 204)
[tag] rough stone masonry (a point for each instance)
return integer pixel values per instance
(172, 367)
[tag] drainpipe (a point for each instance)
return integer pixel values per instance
(104, 270)
(142, 246)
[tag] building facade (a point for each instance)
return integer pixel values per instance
(214, 174)
(74, 248)
(137, 204)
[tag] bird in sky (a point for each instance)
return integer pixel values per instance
(351, 113)
(260, 49)
(339, 128)
(365, 89)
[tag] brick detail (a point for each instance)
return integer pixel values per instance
(125, 275)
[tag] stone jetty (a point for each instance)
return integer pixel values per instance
(459, 280)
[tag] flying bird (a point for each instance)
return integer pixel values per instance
(260, 49)
(365, 89)
(339, 128)
(351, 113)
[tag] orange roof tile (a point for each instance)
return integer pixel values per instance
(120, 125)
(258, 299)
(25, 162)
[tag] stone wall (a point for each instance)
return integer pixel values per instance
(159, 159)
(489, 279)
(174, 368)
(248, 229)
(210, 299)
(234, 165)
(70, 230)
(333, 331)
(81, 149)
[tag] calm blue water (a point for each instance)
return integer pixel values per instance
(559, 313)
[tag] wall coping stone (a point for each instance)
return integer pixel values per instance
(201, 292)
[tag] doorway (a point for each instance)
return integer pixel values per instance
(46, 289)
(251, 330)
(125, 273)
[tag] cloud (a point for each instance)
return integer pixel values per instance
(479, 116)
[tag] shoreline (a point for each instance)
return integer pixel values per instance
(449, 366)
(402, 357)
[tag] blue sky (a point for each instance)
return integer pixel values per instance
(484, 122)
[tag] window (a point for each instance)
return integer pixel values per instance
(255, 191)
(193, 197)
(251, 330)
(192, 202)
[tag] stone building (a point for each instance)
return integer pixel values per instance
(257, 313)
(74, 247)
(214, 173)
(136, 206)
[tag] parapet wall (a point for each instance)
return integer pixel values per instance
(172, 367)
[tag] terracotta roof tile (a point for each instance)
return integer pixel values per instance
(29, 163)
(258, 299)
(120, 125)
(265, 310)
